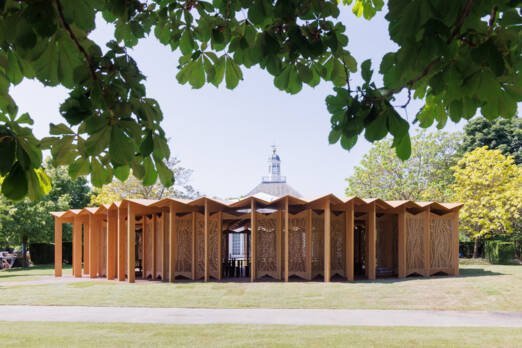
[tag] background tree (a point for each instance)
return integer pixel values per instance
(426, 176)
(459, 56)
(30, 222)
(490, 185)
(502, 134)
(134, 188)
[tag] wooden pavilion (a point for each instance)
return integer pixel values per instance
(323, 238)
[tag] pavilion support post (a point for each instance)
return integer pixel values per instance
(92, 247)
(327, 241)
(349, 240)
(194, 259)
(220, 244)
(146, 248)
(427, 243)
(153, 245)
(205, 240)
(308, 267)
(372, 224)
(112, 231)
(253, 232)
(77, 247)
(388, 240)
(121, 244)
(162, 267)
(279, 247)
(455, 243)
(131, 243)
(173, 243)
(401, 241)
(286, 238)
(57, 247)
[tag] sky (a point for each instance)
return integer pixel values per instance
(225, 136)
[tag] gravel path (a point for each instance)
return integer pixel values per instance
(338, 317)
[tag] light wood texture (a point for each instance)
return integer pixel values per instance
(57, 247)
(349, 241)
(194, 259)
(309, 244)
(286, 239)
(205, 236)
(112, 231)
(166, 243)
(279, 247)
(121, 244)
(161, 250)
(327, 241)
(86, 239)
(93, 248)
(220, 244)
(253, 234)
(401, 243)
(131, 239)
(173, 243)
(371, 242)
(455, 243)
(153, 246)
(427, 245)
(77, 247)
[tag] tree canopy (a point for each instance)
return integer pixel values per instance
(426, 176)
(459, 56)
(502, 134)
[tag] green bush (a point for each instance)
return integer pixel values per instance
(500, 252)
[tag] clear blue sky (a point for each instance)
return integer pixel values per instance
(225, 136)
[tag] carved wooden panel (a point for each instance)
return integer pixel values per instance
(166, 249)
(441, 243)
(415, 242)
(381, 241)
(148, 247)
(158, 238)
(297, 244)
(338, 243)
(266, 247)
(200, 245)
(213, 243)
(184, 250)
(317, 244)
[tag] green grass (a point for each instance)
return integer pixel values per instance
(479, 287)
(29, 274)
(24, 334)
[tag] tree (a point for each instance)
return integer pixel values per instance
(133, 188)
(501, 134)
(29, 222)
(426, 176)
(458, 56)
(490, 186)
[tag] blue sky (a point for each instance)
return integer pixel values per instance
(225, 136)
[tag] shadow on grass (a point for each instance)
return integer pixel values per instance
(33, 271)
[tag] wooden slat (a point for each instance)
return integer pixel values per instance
(77, 247)
(427, 242)
(401, 247)
(279, 245)
(121, 244)
(57, 247)
(327, 241)
(92, 247)
(220, 244)
(349, 241)
(371, 242)
(286, 238)
(86, 251)
(131, 242)
(309, 244)
(153, 248)
(162, 246)
(173, 243)
(112, 227)
(194, 259)
(253, 228)
(205, 237)
(456, 243)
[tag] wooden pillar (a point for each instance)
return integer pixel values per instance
(286, 239)
(121, 244)
(308, 267)
(327, 241)
(92, 247)
(194, 259)
(57, 247)
(349, 241)
(253, 227)
(427, 244)
(77, 247)
(372, 224)
(131, 243)
(455, 225)
(279, 248)
(220, 243)
(173, 243)
(205, 240)
(153, 246)
(162, 246)
(401, 239)
(86, 238)
(112, 231)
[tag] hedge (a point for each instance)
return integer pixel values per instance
(43, 253)
(499, 252)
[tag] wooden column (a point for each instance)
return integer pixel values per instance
(162, 246)
(194, 259)
(77, 247)
(153, 246)
(93, 248)
(205, 242)
(131, 243)
(253, 232)
(112, 238)
(220, 244)
(86, 239)
(173, 243)
(279, 247)
(401, 239)
(121, 244)
(57, 247)
(286, 239)
(308, 267)
(427, 243)
(327, 241)
(455, 243)
(371, 241)
(349, 240)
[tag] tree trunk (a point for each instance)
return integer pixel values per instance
(475, 248)
(24, 251)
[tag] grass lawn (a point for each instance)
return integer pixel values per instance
(26, 274)
(158, 335)
(479, 287)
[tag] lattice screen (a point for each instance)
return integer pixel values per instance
(213, 245)
(338, 243)
(200, 245)
(266, 245)
(184, 250)
(297, 244)
(415, 242)
(317, 244)
(441, 243)
(148, 247)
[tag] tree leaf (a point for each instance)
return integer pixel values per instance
(122, 172)
(14, 185)
(121, 147)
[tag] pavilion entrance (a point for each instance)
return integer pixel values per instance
(236, 256)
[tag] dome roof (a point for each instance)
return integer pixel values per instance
(277, 189)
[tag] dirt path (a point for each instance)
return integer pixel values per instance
(334, 317)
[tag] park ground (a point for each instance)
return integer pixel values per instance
(480, 286)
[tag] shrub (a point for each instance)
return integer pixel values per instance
(500, 252)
